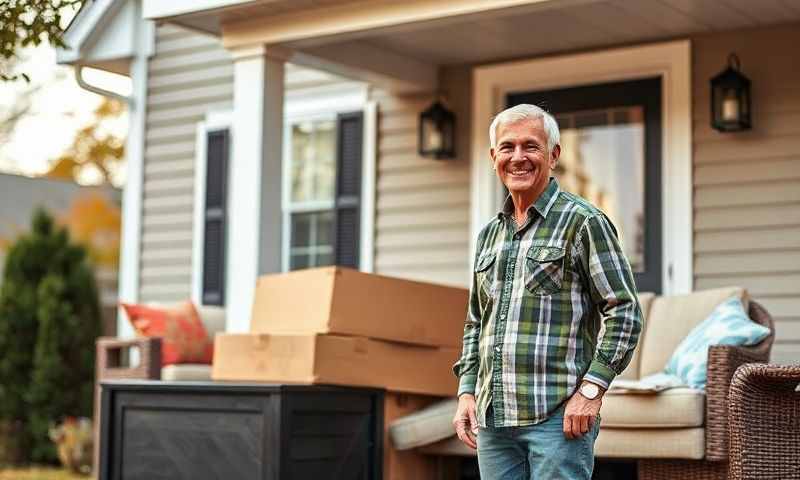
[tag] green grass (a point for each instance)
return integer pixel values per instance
(39, 473)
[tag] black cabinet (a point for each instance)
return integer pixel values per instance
(153, 430)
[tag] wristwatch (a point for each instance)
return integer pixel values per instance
(589, 390)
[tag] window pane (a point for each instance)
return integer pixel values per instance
(602, 160)
(313, 163)
(312, 239)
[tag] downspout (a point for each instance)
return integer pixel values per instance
(100, 91)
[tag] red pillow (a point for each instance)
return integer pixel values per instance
(185, 339)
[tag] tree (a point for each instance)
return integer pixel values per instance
(49, 320)
(29, 23)
(93, 149)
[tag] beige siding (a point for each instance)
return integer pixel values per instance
(189, 75)
(422, 205)
(747, 185)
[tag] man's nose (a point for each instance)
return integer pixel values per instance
(518, 155)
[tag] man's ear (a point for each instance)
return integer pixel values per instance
(491, 158)
(554, 156)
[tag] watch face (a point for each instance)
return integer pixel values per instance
(589, 390)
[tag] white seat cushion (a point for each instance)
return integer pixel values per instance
(676, 407)
(186, 372)
(428, 425)
(686, 443)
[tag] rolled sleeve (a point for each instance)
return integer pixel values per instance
(609, 279)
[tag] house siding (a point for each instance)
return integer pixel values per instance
(747, 185)
(189, 75)
(422, 205)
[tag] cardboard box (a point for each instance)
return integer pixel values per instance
(405, 464)
(336, 360)
(348, 302)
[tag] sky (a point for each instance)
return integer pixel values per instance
(58, 110)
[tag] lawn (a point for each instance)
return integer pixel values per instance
(39, 474)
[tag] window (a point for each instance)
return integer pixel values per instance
(214, 213)
(322, 191)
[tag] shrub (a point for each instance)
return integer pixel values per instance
(49, 320)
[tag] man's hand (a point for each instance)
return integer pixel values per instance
(465, 421)
(580, 414)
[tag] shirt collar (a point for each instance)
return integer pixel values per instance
(542, 204)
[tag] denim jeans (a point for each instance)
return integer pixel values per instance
(536, 452)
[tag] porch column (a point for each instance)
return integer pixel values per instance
(254, 189)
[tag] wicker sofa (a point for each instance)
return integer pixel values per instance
(679, 433)
(112, 354)
(764, 412)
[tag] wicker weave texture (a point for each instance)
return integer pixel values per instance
(682, 470)
(723, 360)
(765, 422)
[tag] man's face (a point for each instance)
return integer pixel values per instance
(521, 158)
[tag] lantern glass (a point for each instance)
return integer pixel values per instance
(437, 132)
(730, 99)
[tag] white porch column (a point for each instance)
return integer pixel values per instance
(254, 188)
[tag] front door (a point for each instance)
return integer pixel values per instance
(611, 155)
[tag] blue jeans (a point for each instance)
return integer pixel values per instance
(536, 452)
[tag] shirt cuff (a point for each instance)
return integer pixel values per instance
(466, 384)
(600, 373)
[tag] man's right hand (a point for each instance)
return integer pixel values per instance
(465, 421)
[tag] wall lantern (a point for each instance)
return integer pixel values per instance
(437, 132)
(730, 98)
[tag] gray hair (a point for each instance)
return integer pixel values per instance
(526, 111)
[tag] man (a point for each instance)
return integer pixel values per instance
(553, 315)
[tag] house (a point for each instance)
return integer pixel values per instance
(67, 201)
(275, 134)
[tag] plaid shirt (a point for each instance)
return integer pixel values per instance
(551, 303)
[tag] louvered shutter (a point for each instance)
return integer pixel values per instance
(217, 150)
(347, 217)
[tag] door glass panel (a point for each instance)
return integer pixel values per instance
(603, 161)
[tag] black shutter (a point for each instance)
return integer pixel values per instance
(347, 210)
(217, 149)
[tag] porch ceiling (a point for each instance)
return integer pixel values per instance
(419, 36)
(581, 26)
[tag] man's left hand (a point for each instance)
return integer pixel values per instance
(580, 414)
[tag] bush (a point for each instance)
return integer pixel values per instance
(49, 320)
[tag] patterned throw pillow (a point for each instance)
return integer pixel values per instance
(728, 324)
(184, 338)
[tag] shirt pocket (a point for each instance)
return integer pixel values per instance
(485, 273)
(544, 269)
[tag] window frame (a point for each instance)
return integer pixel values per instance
(323, 105)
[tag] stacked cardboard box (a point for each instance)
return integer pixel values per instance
(338, 326)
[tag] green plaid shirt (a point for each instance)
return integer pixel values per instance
(551, 303)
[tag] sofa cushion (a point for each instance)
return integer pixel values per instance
(675, 407)
(686, 443)
(728, 324)
(186, 372)
(631, 372)
(428, 425)
(213, 319)
(670, 320)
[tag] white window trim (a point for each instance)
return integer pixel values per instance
(671, 61)
(221, 120)
(324, 103)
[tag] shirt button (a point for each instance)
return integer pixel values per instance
(497, 348)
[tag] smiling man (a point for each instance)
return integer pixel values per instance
(553, 315)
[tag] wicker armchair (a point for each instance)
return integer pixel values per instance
(723, 360)
(765, 422)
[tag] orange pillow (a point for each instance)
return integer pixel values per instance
(185, 339)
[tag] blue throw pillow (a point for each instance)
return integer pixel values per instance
(728, 324)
